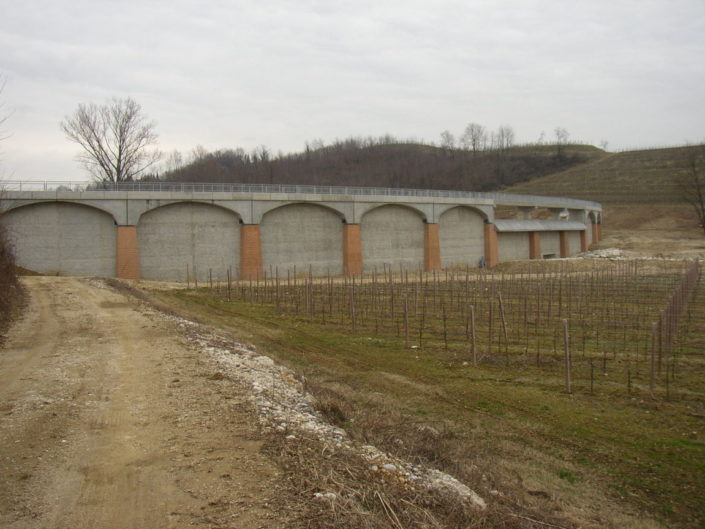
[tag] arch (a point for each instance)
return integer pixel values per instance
(278, 205)
(61, 237)
(475, 209)
(302, 236)
(462, 236)
(201, 236)
(417, 211)
(394, 235)
(13, 205)
(165, 204)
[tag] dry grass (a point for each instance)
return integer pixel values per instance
(348, 494)
(633, 177)
(609, 459)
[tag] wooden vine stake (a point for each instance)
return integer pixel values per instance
(566, 344)
(406, 321)
(473, 345)
(652, 370)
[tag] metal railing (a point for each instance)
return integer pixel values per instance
(197, 187)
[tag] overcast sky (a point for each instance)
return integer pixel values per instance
(227, 74)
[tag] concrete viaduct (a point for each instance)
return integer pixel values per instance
(160, 230)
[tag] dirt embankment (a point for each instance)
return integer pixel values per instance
(107, 419)
(653, 230)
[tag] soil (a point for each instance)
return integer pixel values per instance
(108, 419)
(653, 230)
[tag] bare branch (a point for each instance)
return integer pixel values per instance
(115, 138)
(4, 116)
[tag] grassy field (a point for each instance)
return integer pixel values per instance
(645, 211)
(632, 177)
(608, 454)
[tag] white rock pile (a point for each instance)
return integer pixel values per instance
(283, 406)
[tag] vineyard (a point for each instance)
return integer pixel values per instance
(634, 326)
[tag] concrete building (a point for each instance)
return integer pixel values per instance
(162, 230)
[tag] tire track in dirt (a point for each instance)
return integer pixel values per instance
(109, 420)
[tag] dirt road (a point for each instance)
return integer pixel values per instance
(109, 420)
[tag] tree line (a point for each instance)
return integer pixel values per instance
(373, 162)
(118, 143)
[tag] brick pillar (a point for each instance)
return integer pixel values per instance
(127, 253)
(431, 247)
(491, 253)
(565, 245)
(250, 252)
(534, 245)
(352, 250)
(583, 241)
(595, 233)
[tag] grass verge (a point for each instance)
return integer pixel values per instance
(589, 461)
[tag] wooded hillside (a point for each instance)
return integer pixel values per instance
(386, 163)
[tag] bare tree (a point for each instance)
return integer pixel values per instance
(198, 153)
(692, 182)
(504, 138)
(116, 138)
(10, 290)
(562, 136)
(474, 137)
(174, 161)
(447, 140)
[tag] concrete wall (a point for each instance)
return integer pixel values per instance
(462, 237)
(512, 246)
(302, 235)
(551, 243)
(64, 238)
(392, 235)
(573, 242)
(198, 235)
(155, 234)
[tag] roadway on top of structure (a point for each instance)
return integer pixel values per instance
(504, 199)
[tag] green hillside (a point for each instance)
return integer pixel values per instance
(633, 177)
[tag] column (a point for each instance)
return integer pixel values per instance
(565, 245)
(432, 247)
(491, 252)
(127, 253)
(250, 252)
(596, 233)
(534, 245)
(583, 241)
(352, 250)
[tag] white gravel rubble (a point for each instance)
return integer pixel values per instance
(605, 253)
(284, 406)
